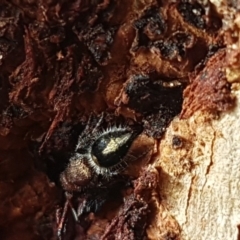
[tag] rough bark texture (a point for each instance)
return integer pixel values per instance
(169, 68)
(200, 179)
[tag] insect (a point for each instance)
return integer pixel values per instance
(99, 158)
(98, 154)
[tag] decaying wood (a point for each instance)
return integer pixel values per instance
(168, 67)
(199, 181)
